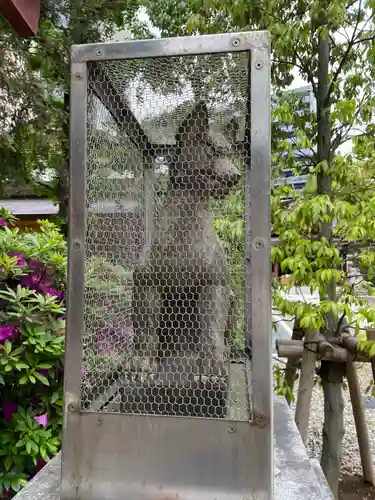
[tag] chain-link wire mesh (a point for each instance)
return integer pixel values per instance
(164, 278)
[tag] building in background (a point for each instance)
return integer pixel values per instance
(303, 156)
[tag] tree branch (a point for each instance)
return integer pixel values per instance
(344, 57)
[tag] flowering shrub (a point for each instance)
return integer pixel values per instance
(32, 284)
(108, 338)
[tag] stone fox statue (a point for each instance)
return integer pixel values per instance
(181, 295)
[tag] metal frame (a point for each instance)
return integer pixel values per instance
(131, 445)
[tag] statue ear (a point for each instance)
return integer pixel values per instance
(195, 125)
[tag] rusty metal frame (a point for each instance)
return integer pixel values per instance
(107, 456)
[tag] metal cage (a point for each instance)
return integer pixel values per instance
(168, 378)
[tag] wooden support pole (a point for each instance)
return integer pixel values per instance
(371, 336)
(306, 383)
(360, 423)
(295, 349)
(291, 369)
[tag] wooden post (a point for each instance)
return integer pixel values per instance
(291, 369)
(360, 423)
(306, 383)
(371, 336)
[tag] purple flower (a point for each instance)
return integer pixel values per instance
(42, 419)
(21, 261)
(53, 292)
(31, 281)
(110, 338)
(3, 222)
(35, 264)
(59, 372)
(8, 332)
(9, 409)
(40, 463)
(84, 371)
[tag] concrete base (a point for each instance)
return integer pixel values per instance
(296, 478)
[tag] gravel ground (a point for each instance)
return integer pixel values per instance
(351, 463)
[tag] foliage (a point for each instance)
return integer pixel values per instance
(34, 76)
(32, 321)
(331, 44)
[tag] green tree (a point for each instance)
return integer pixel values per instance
(331, 45)
(34, 83)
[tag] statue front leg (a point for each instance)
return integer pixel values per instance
(146, 310)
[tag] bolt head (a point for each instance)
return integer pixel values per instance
(236, 42)
(259, 244)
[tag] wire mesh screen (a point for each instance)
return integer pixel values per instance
(164, 276)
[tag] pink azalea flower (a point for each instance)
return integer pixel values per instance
(8, 332)
(21, 261)
(113, 335)
(53, 292)
(31, 281)
(42, 419)
(35, 264)
(3, 222)
(9, 409)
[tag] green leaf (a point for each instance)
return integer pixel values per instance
(55, 396)
(44, 366)
(28, 447)
(8, 462)
(42, 378)
(43, 452)
(7, 346)
(20, 366)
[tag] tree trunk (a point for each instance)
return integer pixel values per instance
(63, 182)
(360, 422)
(78, 28)
(332, 374)
(306, 383)
(333, 432)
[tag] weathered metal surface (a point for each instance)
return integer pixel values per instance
(294, 477)
(174, 318)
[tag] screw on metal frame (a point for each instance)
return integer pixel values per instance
(259, 243)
